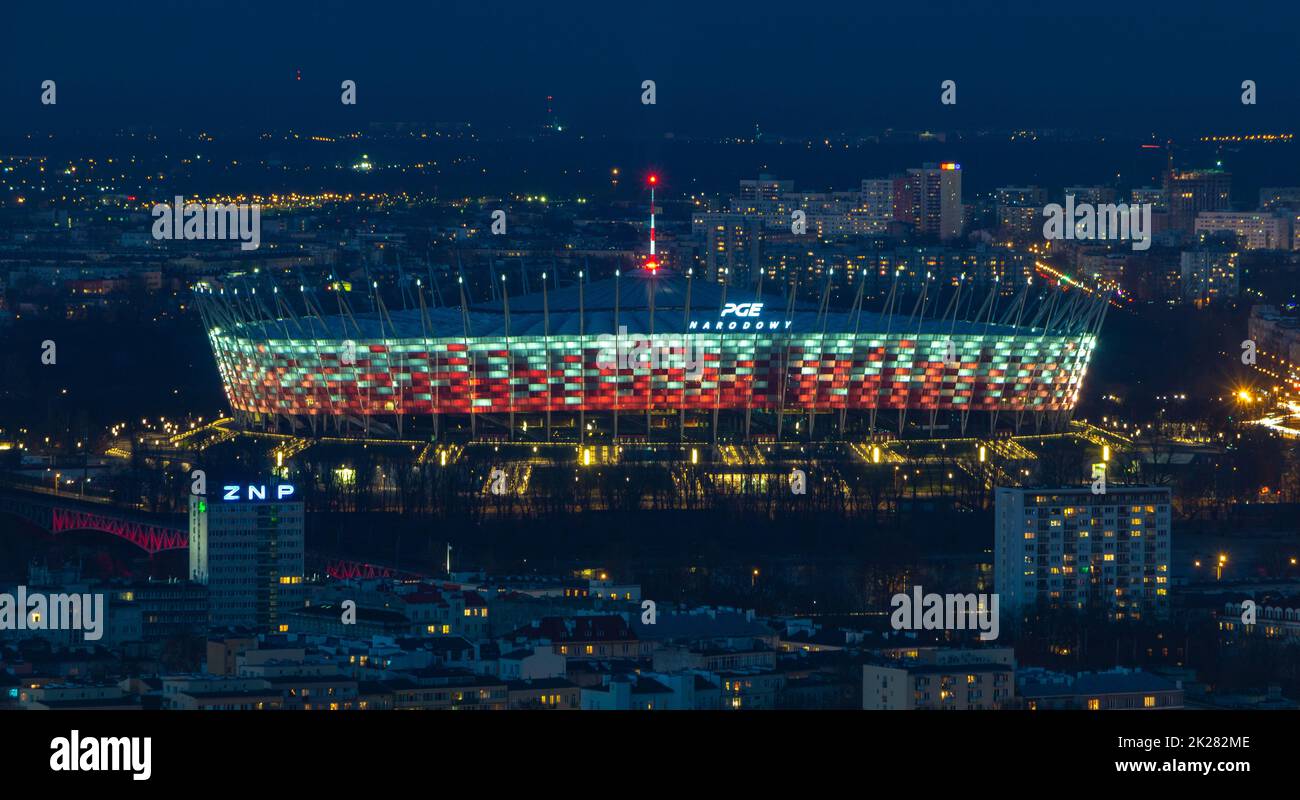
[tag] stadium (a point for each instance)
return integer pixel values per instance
(648, 355)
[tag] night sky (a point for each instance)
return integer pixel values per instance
(720, 67)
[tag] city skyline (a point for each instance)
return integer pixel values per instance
(713, 359)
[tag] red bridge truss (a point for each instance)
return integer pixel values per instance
(150, 538)
(354, 570)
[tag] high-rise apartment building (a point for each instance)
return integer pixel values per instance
(1189, 192)
(876, 204)
(930, 199)
(1072, 548)
(1019, 211)
(246, 545)
(733, 246)
(1209, 274)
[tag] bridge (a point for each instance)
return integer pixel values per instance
(63, 514)
(346, 569)
(66, 514)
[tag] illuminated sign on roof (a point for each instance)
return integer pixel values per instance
(236, 492)
(742, 309)
(747, 312)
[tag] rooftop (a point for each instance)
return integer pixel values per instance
(679, 305)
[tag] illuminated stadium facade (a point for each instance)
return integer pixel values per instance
(650, 355)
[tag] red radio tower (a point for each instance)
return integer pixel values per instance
(652, 265)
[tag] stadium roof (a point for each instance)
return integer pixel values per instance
(631, 296)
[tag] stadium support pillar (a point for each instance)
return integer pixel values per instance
(618, 349)
(510, 381)
(546, 331)
(652, 289)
